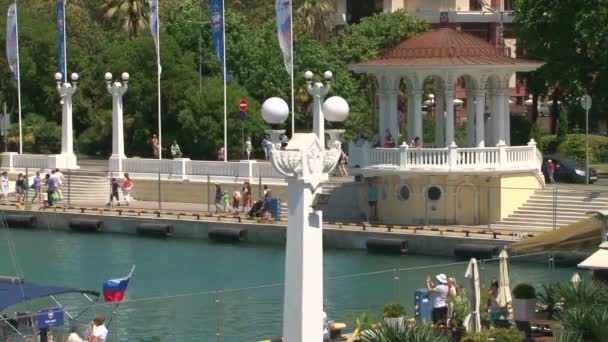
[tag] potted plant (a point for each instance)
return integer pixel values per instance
(549, 298)
(361, 322)
(524, 301)
(393, 314)
(460, 309)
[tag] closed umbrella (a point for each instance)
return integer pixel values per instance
(472, 321)
(504, 291)
(576, 278)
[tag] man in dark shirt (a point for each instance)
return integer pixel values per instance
(114, 193)
(51, 187)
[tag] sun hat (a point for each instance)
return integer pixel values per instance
(442, 278)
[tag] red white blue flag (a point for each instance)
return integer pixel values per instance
(114, 289)
(284, 17)
(12, 42)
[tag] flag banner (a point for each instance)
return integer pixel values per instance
(283, 8)
(12, 48)
(217, 30)
(114, 289)
(154, 25)
(59, 20)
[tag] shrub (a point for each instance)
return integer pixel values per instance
(562, 125)
(573, 146)
(404, 333)
(394, 310)
(476, 337)
(547, 144)
(524, 291)
(505, 335)
(520, 130)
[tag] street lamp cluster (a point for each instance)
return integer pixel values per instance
(306, 164)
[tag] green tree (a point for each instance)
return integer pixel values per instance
(314, 15)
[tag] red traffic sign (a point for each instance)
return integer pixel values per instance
(243, 105)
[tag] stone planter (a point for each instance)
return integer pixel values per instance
(523, 308)
(394, 321)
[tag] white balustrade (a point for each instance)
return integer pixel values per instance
(265, 170)
(447, 159)
(32, 161)
(142, 165)
(213, 168)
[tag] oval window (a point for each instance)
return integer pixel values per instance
(433, 193)
(403, 193)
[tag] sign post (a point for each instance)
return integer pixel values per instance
(586, 104)
(243, 105)
(47, 318)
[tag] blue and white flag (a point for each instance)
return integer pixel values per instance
(154, 23)
(283, 8)
(12, 42)
(216, 9)
(60, 21)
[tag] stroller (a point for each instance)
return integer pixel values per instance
(258, 209)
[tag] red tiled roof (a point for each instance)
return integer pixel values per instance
(445, 47)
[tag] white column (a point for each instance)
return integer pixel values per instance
(117, 90)
(499, 119)
(449, 117)
(67, 158)
(418, 114)
(439, 119)
(318, 92)
(507, 117)
(382, 112)
(470, 118)
(480, 107)
(393, 114)
(303, 301)
(410, 116)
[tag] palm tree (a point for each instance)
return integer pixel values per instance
(315, 15)
(131, 13)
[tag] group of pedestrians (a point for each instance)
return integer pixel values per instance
(239, 200)
(126, 186)
(53, 183)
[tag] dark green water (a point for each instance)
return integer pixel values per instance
(166, 268)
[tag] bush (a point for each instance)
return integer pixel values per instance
(394, 310)
(404, 333)
(520, 130)
(562, 125)
(524, 291)
(573, 146)
(505, 335)
(547, 144)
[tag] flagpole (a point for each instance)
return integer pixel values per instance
(293, 108)
(18, 80)
(158, 72)
(224, 72)
(65, 49)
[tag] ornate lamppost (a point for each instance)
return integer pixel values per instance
(117, 90)
(67, 158)
(306, 164)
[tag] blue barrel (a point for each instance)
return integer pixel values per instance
(423, 306)
(275, 207)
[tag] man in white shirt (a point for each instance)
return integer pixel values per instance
(100, 332)
(440, 305)
(4, 185)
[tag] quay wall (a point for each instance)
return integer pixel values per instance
(261, 233)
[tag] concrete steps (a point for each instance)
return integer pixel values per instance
(537, 214)
(86, 186)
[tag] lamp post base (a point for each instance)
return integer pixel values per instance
(63, 161)
(275, 135)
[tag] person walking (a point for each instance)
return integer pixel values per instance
(372, 201)
(37, 186)
(220, 154)
(20, 188)
(113, 192)
(389, 142)
(246, 192)
(155, 146)
(127, 185)
(248, 148)
(440, 306)
(494, 309)
(60, 179)
(226, 202)
(4, 186)
(51, 188)
(342, 172)
(551, 171)
(218, 198)
(236, 199)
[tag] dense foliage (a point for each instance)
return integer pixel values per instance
(101, 38)
(404, 333)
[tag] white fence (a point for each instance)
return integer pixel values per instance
(450, 158)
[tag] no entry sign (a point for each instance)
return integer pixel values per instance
(243, 105)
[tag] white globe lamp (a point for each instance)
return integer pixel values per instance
(108, 76)
(275, 110)
(74, 77)
(58, 77)
(308, 75)
(125, 76)
(335, 109)
(328, 75)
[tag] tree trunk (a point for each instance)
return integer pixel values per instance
(534, 108)
(554, 111)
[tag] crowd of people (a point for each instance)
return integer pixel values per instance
(241, 201)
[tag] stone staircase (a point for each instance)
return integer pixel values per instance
(328, 188)
(544, 212)
(87, 187)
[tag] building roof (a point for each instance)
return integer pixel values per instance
(445, 47)
(598, 260)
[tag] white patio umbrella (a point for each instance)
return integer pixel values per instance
(576, 278)
(472, 321)
(504, 291)
(528, 102)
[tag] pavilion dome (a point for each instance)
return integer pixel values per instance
(445, 46)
